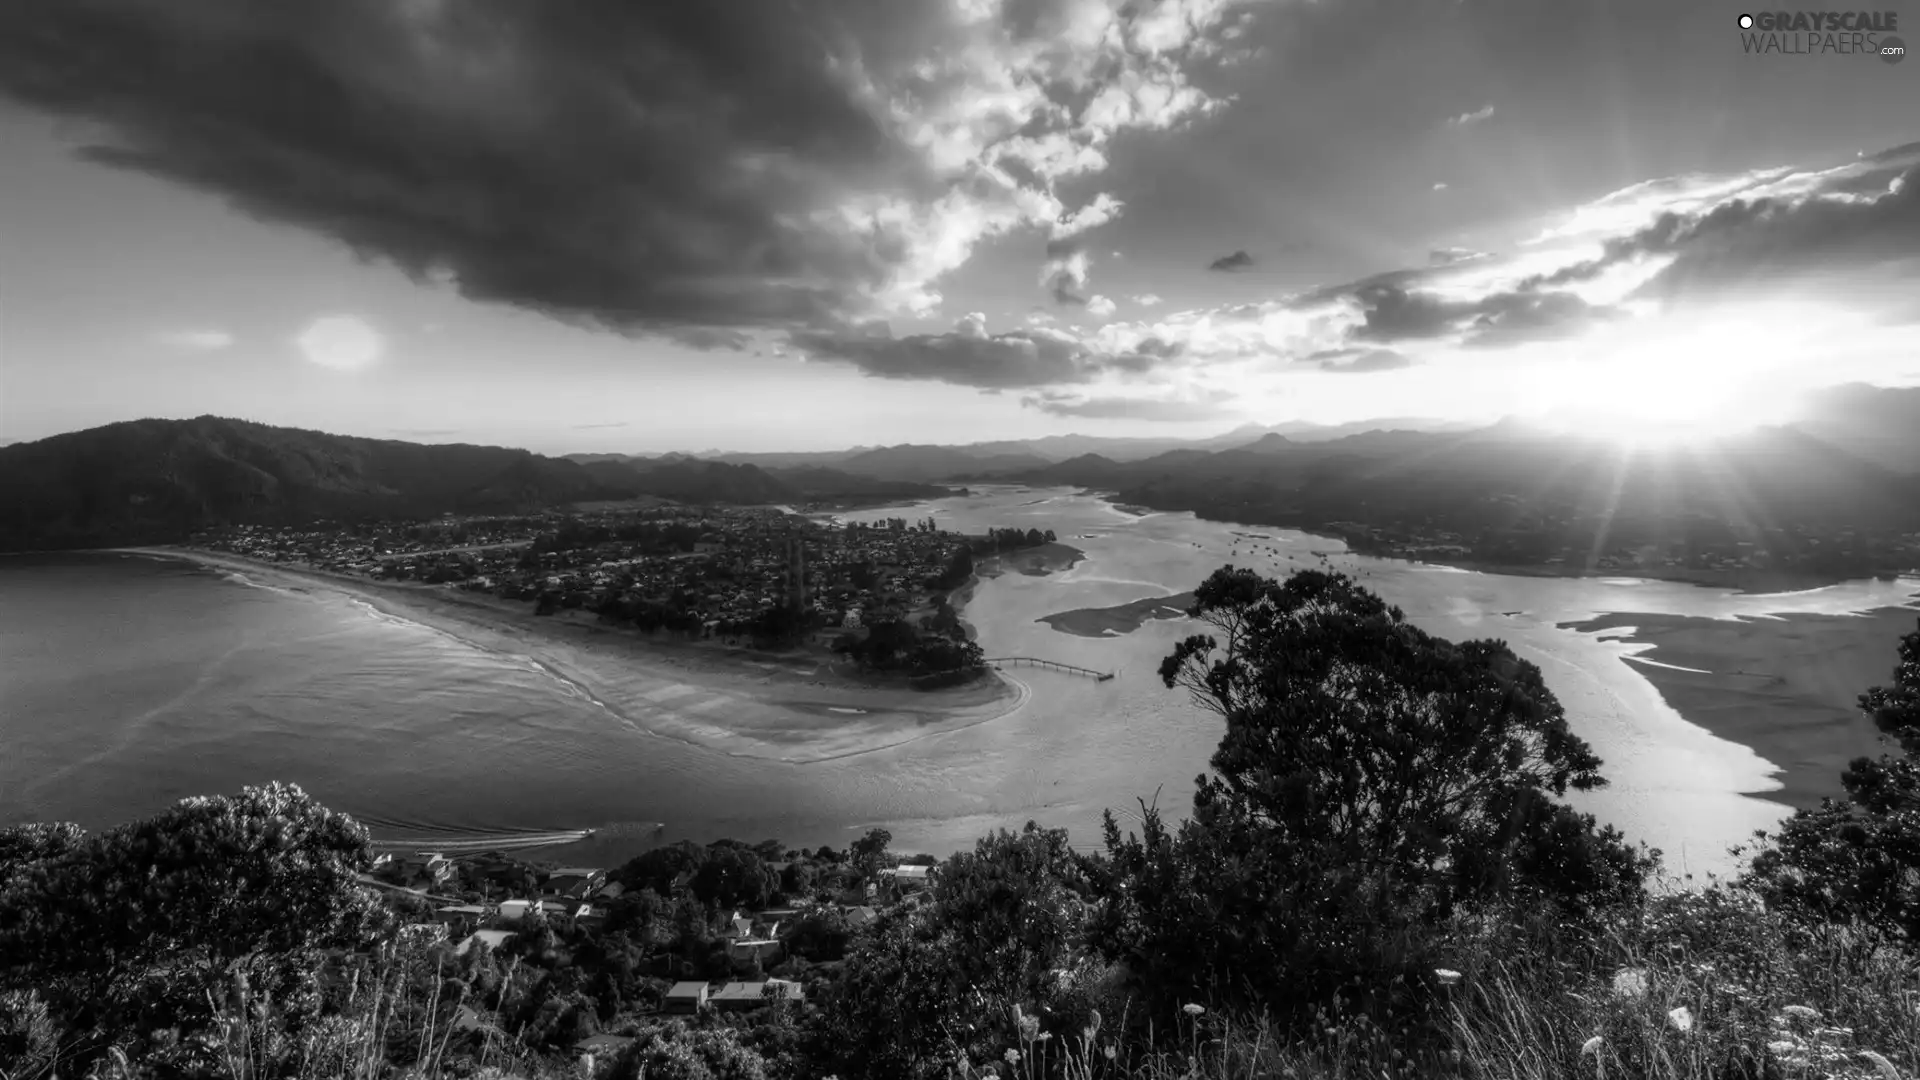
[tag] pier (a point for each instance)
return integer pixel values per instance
(1034, 661)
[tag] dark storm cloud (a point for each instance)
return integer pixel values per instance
(1014, 360)
(1358, 362)
(1855, 223)
(1227, 264)
(625, 162)
(1210, 407)
(690, 169)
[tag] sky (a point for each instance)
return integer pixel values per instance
(761, 225)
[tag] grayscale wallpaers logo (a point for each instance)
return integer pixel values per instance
(1822, 33)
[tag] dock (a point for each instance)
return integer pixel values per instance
(1035, 661)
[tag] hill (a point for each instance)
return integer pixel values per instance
(155, 481)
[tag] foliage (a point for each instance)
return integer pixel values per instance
(140, 924)
(1857, 861)
(1373, 781)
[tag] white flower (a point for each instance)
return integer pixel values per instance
(1447, 976)
(1881, 1065)
(1801, 1012)
(1012, 1056)
(1193, 1010)
(1681, 1018)
(1783, 1046)
(1630, 983)
(1592, 1046)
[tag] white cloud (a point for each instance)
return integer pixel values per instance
(205, 340)
(1100, 307)
(1474, 117)
(1440, 186)
(1147, 299)
(341, 342)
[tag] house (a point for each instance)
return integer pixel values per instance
(685, 997)
(612, 891)
(858, 916)
(766, 950)
(739, 926)
(747, 996)
(912, 878)
(589, 916)
(574, 883)
(515, 910)
(461, 918)
(603, 1045)
(492, 939)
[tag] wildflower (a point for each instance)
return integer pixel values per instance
(1111, 1051)
(1093, 1022)
(1801, 1012)
(1448, 976)
(1881, 1065)
(1630, 983)
(1043, 1036)
(1012, 1056)
(1193, 1010)
(1783, 1047)
(1591, 1046)
(1681, 1018)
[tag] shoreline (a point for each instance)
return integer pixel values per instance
(1744, 582)
(795, 708)
(1784, 686)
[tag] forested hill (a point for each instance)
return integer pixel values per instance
(153, 481)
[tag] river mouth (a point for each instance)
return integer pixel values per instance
(217, 684)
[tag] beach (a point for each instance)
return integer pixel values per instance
(1787, 686)
(794, 707)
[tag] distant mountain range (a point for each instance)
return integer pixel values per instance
(155, 481)
(1853, 457)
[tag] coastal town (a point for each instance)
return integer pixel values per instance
(709, 945)
(755, 574)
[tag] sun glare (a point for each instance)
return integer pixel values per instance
(1666, 385)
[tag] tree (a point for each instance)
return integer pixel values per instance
(1372, 780)
(155, 914)
(1857, 861)
(870, 851)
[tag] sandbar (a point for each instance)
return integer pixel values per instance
(800, 706)
(1121, 618)
(1785, 686)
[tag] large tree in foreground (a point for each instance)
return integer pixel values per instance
(131, 930)
(1372, 781)
(1857, 860)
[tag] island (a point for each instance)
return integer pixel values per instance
(1120, 619)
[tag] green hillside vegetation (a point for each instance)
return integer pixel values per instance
(1378, 879)
(158, 481)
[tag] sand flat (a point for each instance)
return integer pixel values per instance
(1787, 685)
(728, 699)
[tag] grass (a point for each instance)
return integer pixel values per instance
(1703, 985)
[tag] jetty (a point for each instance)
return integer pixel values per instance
(1035, 661)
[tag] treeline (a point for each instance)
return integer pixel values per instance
(1000, 541)
(1379, 878)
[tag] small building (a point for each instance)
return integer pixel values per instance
(747, 996)
(515, 910)
(603, 1045)
(765, 950)
(492, 939)
(858, 916)
(461, 918)
(611, 891)
(912, 877)
(685, 997)
(593, 918)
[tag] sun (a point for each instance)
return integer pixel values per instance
(1695, 385)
